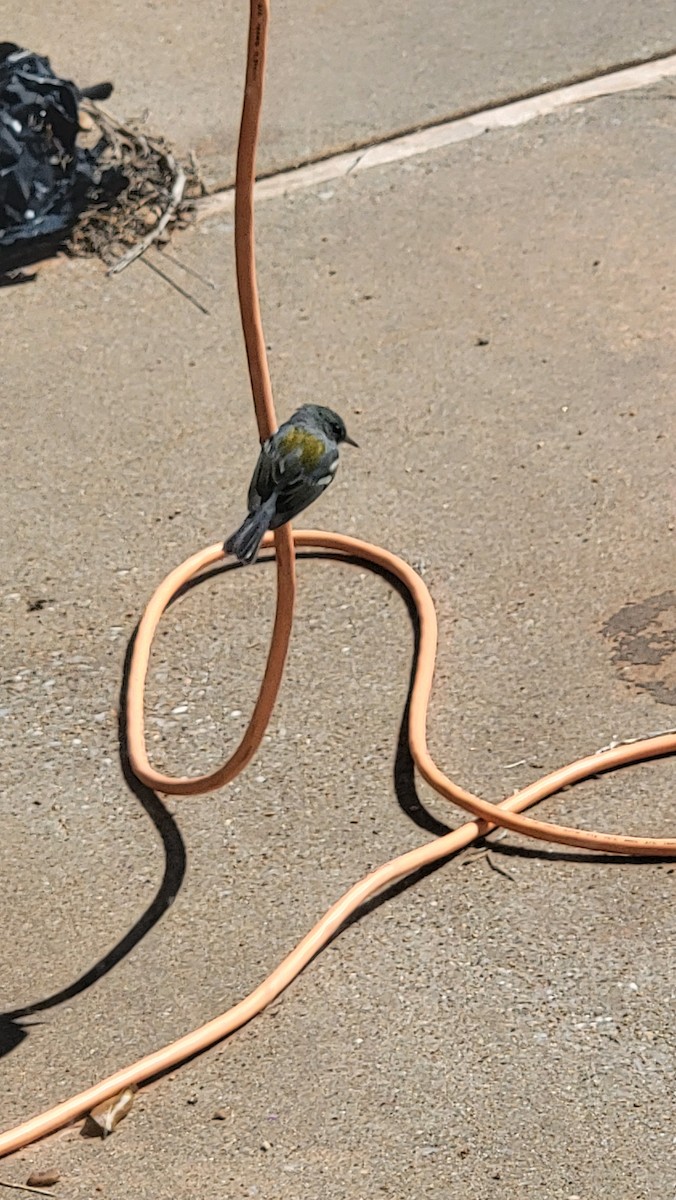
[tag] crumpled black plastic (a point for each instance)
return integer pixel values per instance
(45, 177)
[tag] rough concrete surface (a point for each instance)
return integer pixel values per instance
(339, 73)
(495, 322)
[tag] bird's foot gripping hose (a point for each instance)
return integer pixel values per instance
(484, 816)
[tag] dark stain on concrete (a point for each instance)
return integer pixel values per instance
(643, 635)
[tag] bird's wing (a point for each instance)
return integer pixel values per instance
(299, 487)
(296, 465)
(280, 456)
(263, 481)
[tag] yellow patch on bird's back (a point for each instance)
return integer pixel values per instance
(311, 448)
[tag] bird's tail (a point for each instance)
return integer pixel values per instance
(245, 542)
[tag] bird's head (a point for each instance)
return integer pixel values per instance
(328, 421)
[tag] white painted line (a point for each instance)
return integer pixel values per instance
(518, 112)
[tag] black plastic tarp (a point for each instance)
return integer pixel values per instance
(45, 176)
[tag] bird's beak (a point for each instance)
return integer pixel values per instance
(351, 442)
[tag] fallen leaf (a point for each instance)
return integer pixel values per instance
(107, 1116)
(43, 1178)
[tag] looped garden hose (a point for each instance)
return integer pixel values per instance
(485, 816)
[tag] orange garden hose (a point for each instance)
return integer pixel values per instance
(485, 815)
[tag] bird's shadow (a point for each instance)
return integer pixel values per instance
(15, 1025)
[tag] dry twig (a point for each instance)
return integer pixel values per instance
(155, 233)
(23, 1187)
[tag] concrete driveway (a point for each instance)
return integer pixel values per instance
(495, 323)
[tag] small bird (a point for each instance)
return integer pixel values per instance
(294, 467)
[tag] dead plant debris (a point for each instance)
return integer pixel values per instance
(155, 197)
